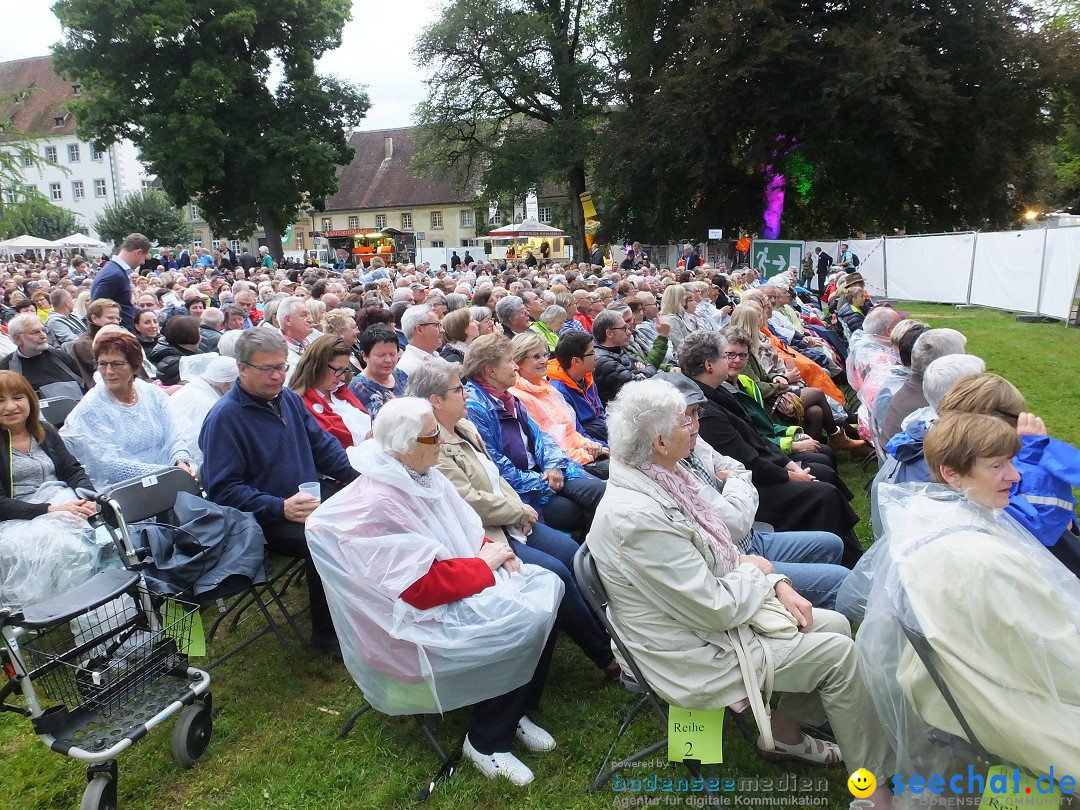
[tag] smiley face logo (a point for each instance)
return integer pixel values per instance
(861, 783)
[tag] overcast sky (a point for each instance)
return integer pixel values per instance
(375, 50)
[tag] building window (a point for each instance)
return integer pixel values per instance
(193, 209)
(73, 153)
(465, 218)
(327, 224)
(50, 154)
(100, 188)
(380, 221)
(58, 121)
(147, 183)
(354, 222)
(27, 161)
(468, 243)
(78, 190)
(544, 214)
(436, 219)
(438, 243)
(76, 89)
(197, 243)
(406, 222)
(55, 193)
(9, 196)
(97, 154)
(234, 245)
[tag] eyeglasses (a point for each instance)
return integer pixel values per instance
(623, 328)
(430, 323)
(736, 355)
(457, 389)
(281, 368)
(537, 356)
(686, 424)
(434, 438)
(338, 372)
(115, 365)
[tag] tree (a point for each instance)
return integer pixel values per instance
(921, 116)
(149, 212)
(190, 83)
(516, 93)
(33, 214)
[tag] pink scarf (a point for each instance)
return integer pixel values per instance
(685, 490)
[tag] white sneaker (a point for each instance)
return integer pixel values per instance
(532, 736)
(501, 763)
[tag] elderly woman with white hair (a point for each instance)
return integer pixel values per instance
(430, 615)
(192, 402)
(708, 626)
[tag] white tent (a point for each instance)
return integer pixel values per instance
(80, 241)
(27, 242)
(528, 227)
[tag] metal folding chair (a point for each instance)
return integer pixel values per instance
(150, 498)
(588, 580)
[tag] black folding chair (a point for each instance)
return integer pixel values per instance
(55, 410)
(588, 580)
(151, 497)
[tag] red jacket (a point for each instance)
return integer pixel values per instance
(325, 416)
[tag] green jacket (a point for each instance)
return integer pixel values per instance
(542, 328)
(746, 391)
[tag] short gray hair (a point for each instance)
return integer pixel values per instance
(604, 322)
(403, 419)
(20, 323)
(213, 317)
(226, 346)
(433, 378)
(553, 314)
(935, 343)
(642, 411)
(698, 348)
(291, 307)
(267, 341)
(456, 301)
(413, 317)
(880, 320)
(507, 308)
(479, 314)
(943, 373)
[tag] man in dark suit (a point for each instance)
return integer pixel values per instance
(824, 262)
(113, 281)
(228, 258)
(247, 261)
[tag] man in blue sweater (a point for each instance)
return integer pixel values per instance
(259, 445)
(113, 281)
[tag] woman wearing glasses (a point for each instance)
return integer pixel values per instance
(123, 428)
(322, 380)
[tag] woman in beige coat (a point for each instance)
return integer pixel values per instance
(505, 516)
(707, 625)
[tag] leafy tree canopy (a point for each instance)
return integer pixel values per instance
(190, 82)
(516, 91)
(924, 116)
(148, 212)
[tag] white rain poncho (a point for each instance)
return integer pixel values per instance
(50, 554)
(192, 402)
(377, 537)
(1002, 617)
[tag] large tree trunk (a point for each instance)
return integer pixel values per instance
(576, 178)
(273, 236)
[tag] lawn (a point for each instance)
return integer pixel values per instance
(274, 740)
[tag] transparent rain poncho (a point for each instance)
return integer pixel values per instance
(1002, 617)
(377, 537)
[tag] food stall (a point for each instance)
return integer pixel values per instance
(529, 235)
(390, 244)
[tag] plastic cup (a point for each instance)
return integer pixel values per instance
(312, 488)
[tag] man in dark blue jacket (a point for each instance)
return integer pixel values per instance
(259, 445)
(570, 373)
(113, 281)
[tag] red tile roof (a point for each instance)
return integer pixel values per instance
(371, 181)
(32, 97)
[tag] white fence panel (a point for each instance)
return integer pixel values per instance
(1060, 266)
(930, 268)
(1007, 268)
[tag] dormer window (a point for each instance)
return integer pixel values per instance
(59, 120)
(76, 89)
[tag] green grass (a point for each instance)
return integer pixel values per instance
(274, 741)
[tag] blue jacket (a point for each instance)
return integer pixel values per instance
(114, 282)
(907, 448)
(1042, 502)
(586, 406)
(253, 459)
(486, 413)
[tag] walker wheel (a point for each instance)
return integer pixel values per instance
(100, 794)
(192, 734)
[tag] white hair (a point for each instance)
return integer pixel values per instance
(21, 322)
(402, 421)
(933, 344)
(412, 318)
(226, 346)
(291, 307)
(945, 372)
(642, 411)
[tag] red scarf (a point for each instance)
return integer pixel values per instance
(325, 416)
(505, 397)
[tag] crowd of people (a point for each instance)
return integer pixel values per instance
(436, 442)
